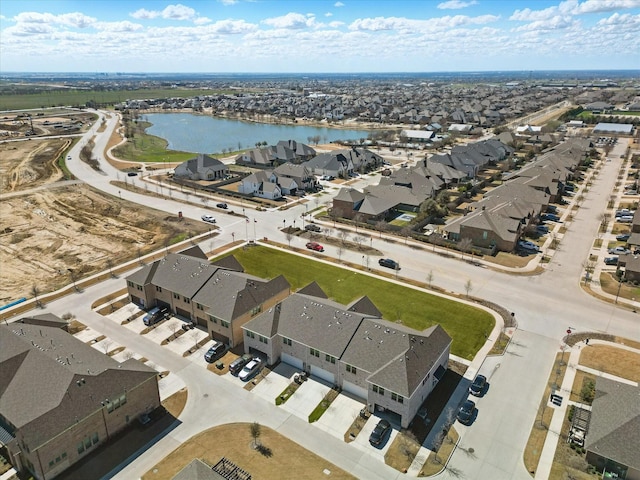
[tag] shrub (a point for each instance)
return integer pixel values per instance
(588, 391)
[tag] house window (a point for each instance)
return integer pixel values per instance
(186, 300)
(397, 398)
(80, 447)
(87, 443)
(330, 359)
(351, 369)
(95, 438)
(213, 319)
(123, 399)
(484, 235)
(224, 324)
(109, 406)
(378, 390)
(130, 284)
(176, 296)
(199, 307)
(250, 334)
(314, 352)
(139, 288)
(158, 289)
(64, 455)
(286, 341)
(256, 310)
(263, 339)
(51, 463)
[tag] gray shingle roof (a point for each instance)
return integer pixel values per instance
(397, 357)
(48, 379)
(182, 274)
(614, 431)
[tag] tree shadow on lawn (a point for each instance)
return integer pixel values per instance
(435, 404)
(123, 448)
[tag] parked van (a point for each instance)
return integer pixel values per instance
(155, 315)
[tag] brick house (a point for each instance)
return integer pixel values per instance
(220, 297)
(61, 399)
(389, 366)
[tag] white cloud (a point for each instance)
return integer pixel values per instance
(338, 4)
(124, 26)
(75, 19)
(594, 6)
(291, 20)
(144, 14)
(228, 2)
(405, 24)
(231, 27)
(456, 4)
(328, 14)
(202, 21)
(620, 19)
(336, 24)
(178, 12)
(555, 23)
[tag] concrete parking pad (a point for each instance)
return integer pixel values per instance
(273, 384)
(123, 313)
(87, 335)
(306, 398)
(340, 415)
(185, 341)
(105, 345)
(362, 440)
(169, 385)
(126, 354)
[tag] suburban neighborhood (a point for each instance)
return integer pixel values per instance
(454, 295)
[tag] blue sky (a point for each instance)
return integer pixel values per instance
(318, 35)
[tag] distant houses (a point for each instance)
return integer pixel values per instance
(202, 167)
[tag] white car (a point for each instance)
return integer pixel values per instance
(250, 369)
(208, 218)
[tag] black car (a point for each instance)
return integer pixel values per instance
(224, 206)
(465, 414)
(623, 237)
(312, 227)
(380, 432)
(478, 385)
(216, 351)
(387, 262)
(611, 261)
(132, 174)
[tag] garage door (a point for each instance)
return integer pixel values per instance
(183, 313)
(323, 374)
(354, 389)
(291, 360)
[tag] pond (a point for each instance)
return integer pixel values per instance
(206, 134)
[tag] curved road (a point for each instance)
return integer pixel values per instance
(545, 306)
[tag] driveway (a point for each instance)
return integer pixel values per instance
(362, 440)
(274, 383)
(306, 399)
(340, 415)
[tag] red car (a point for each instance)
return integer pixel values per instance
(315, 246)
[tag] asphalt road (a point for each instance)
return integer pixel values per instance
(545, 306)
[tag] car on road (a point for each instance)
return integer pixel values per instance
(478, 385)
(619, 251)
(132, 174)
(250, 369)
(312, 227)
(216, 351)
(387, 262)
(327, 177)
(208, 218)
(223, 206)
(238, 364)
(623, 237)
(380, 433)
(68, 157)
(315, 246)
(611, 261)
(465, 413)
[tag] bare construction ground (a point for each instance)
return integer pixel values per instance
(56, 233)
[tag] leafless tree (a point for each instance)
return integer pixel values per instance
(339, 251)
(465, 245)
(343, 235)
(358, 219)
(327, 232)
(289, 236)
(468, 286)
(35, 292)
(358, 239)
(105, 344)
(194, 337)
(381, 226)
(406, 233)
(174, 328)
(430, 277)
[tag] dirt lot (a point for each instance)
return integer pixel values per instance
(51, 236)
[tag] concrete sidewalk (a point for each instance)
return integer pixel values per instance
(559, 413)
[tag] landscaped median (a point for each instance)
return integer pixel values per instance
(467, 325)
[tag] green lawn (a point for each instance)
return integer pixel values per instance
(467, 325)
